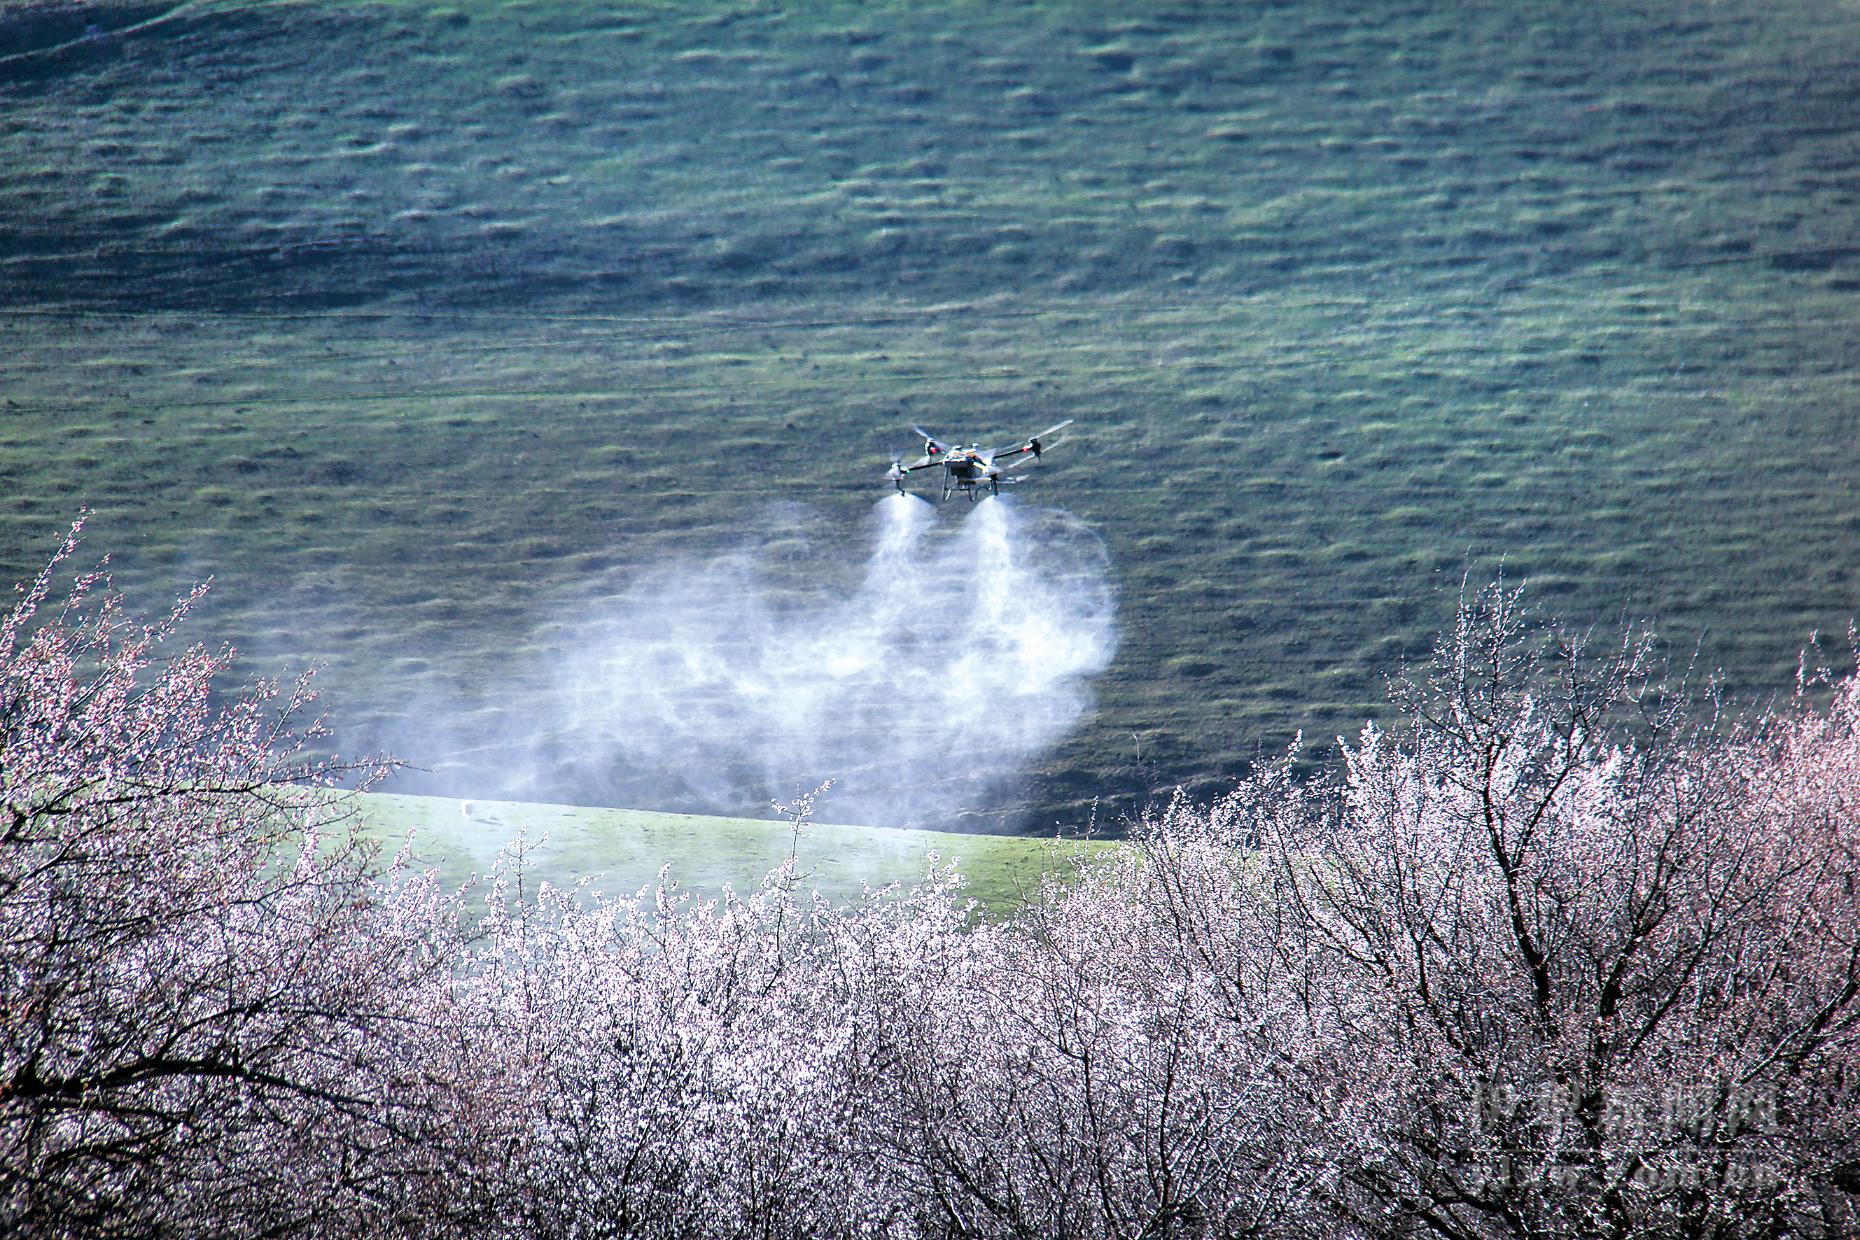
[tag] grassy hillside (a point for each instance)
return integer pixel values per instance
(621, 851)
(419, 326)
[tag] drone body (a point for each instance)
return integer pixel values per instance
(967, 469)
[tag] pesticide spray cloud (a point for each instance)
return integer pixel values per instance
(921, 681)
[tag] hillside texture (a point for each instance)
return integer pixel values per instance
(419, 327)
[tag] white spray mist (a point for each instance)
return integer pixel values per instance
(965, 648)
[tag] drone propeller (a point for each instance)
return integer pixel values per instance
(1035, 444)
(1040, 442)
(932, 442)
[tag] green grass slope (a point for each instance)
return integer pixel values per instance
(423, 328)
(619, 851)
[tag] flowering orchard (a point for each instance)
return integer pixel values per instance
(1554, 959)
(211, 1017)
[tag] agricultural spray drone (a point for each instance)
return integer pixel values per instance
(972, 467)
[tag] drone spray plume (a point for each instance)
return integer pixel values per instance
(921, 675)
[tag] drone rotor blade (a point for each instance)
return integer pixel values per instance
(1044, 440)
(932, 439)
(1034, 444)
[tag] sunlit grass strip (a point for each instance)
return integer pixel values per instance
(620, 850)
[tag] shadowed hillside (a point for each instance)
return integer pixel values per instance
(427, 329)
